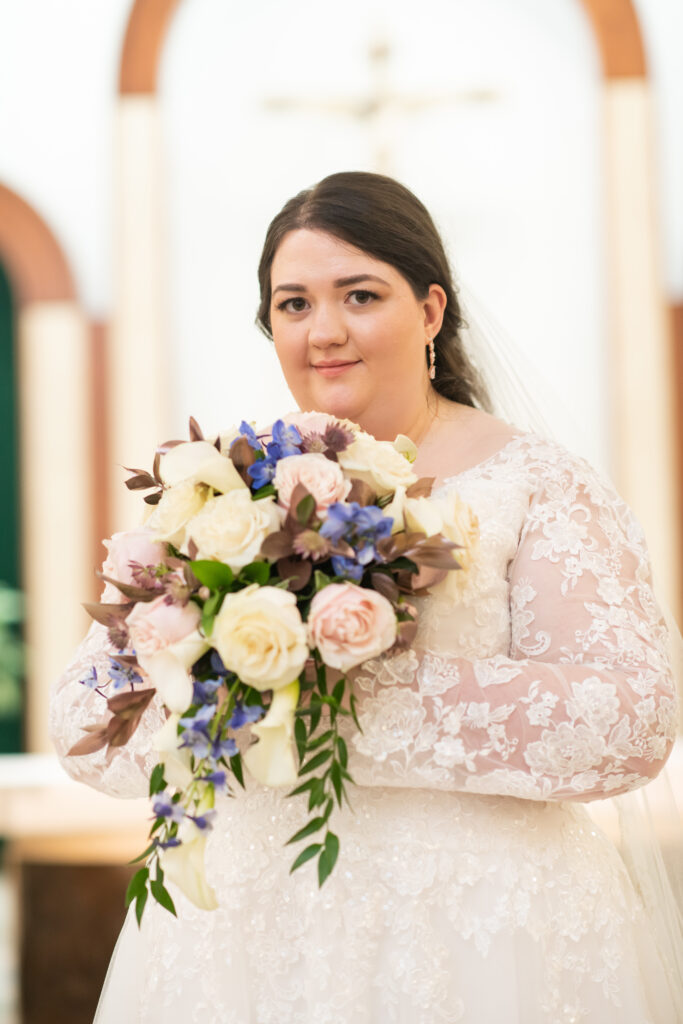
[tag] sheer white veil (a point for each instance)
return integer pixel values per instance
(645, 824)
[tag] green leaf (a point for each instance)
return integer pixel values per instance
(316, 712)
(320, 580)
(336, 776)
(316, 761)
(300, 735)
(328, 857)
(338, 692)
(209, 612)
(263, 492)
(142, 856)
(162, 896)
(137, 885)
(157, 782)
(319, 740)
(140, 906)
(307, 830)
(342, 751)
(215, 575)
(317, 795)
(304, 787)
(256, 572)
(236, 766)
(305, 855)
(305, 509)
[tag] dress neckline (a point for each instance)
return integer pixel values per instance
(484, 462)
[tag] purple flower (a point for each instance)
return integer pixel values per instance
(203, 821)
(219, 778)
(122, 675)
(247, 431)
(245, 713)
(287, 440)
(90, 679)
(262, 471)
(347, 568)
(164, 807)
(204, 692)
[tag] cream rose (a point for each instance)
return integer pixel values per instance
(378, 463)
(124, 548)
(260, 636)
(232, 527)
(349, 625)
(321, 477)
(177, 507)
(201, 463)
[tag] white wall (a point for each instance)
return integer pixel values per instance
(515, 183)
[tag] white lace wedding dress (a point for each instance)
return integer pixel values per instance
(472, 885)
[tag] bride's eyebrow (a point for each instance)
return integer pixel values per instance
(341, 282)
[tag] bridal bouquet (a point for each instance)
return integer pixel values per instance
(270, 566)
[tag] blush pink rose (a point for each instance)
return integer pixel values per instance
(124, 548)
(349, 625)
(321, 477)
(309, 422)
(155, 625)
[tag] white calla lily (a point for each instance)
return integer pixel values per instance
(406, 447)
(202, 463)
(176, 759)
(184, 866)
(168, 670)
(271, 760)
(396, 508)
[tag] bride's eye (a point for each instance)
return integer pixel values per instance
(362, 297)
(294, 305)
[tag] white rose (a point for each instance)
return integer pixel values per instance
(201, 463)
(232, 527)
(260, 636)
(378, 463)
(177, 507)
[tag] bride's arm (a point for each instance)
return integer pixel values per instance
(122, 771)
(584, 706)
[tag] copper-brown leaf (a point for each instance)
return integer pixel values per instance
(385, 585)
(422, 488)
(95, 739)
(195, 430)
(131, 702)
(242, 456)
(108, 614)
(361, 492)
(277, 545)
(129, 590)
(406, 633)
(296, 572)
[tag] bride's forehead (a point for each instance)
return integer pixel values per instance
(317, 254)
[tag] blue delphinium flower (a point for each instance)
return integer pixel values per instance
(163, 807)
(262, 471)
(244, 713)
(286, 441)
(196, 736)
(248, 431)
(347, 568)
(361, 526)
(90, 680)
(203, 821)
(218, 777)
(204, 692)
(122, 675)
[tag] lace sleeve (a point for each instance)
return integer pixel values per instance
(582, 706)
(122, 771)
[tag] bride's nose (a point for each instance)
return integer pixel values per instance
(326, 326)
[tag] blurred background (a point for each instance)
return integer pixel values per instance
(144, 148)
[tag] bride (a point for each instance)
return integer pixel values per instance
(472, 885)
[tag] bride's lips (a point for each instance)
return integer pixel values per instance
(332, 369)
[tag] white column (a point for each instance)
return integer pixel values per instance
(55, 471)
(641, 367)
(138, 352)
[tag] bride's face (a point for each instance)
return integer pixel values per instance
(348, 331)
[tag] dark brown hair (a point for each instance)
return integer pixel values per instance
(383, 218)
